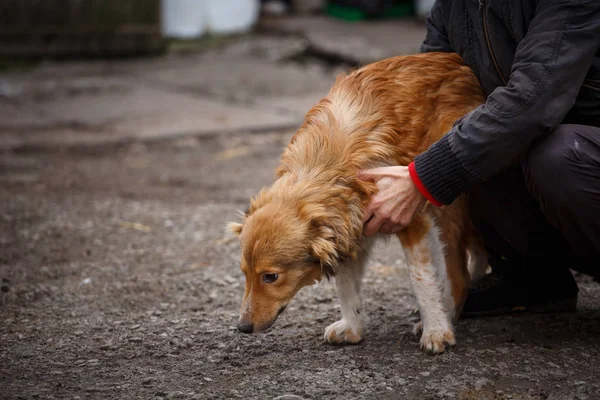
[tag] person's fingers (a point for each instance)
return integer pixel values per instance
(390, 227)
(372, 174)
(398, 228)
(375, 174)
(373, 225)
(367, 215)
(386, 227)
(364, 175)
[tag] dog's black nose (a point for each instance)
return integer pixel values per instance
(245, 327)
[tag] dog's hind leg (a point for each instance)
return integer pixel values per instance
(428, 279)
(347, 282)
(478, 257)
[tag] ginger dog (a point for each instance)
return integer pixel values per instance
(308, 224)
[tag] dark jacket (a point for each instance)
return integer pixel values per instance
(539, 64)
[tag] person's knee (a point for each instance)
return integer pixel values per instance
(550, 163)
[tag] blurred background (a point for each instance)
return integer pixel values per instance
(75, 28)
(61, 62)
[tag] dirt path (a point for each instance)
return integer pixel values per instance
(119, 282)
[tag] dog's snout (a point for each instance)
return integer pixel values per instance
(245, 327)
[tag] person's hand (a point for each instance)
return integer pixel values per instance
(395, 204)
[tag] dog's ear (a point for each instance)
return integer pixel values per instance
(236, 227)
(255, 203)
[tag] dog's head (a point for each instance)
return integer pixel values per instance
(286, 244)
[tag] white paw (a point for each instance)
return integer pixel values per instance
(436, 341)
(344, 332)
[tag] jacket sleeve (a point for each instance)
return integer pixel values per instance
(436, 38)
(548, 70)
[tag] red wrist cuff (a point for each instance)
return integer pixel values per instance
(417, 181)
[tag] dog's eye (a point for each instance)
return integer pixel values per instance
(270, 278)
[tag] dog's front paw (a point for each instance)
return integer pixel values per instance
(436, 341)
(344, 332)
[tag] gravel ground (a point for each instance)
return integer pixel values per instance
(119, 282)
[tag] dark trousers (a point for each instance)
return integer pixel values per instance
(546, 212)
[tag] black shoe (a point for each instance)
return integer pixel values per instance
(530, 285)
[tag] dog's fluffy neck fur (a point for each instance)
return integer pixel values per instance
(317, 174)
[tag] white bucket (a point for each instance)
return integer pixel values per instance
(231, 16)
(183, 19)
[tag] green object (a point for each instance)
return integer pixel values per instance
(354, 14)
(346, 13)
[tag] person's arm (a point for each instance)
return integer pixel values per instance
(436, 38)
(548, 70)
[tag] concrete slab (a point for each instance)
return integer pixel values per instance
(13, 114)
(294, 105)
(135, 112)
(251, 84)
(200, 116)
(362, 42)
(162, 98)
(244, 79)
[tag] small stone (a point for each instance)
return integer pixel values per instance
(322, 300)
(481, 383)
(78, 333)
(164, 335)
(207, 379)
(175, 395)
(425, 373)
